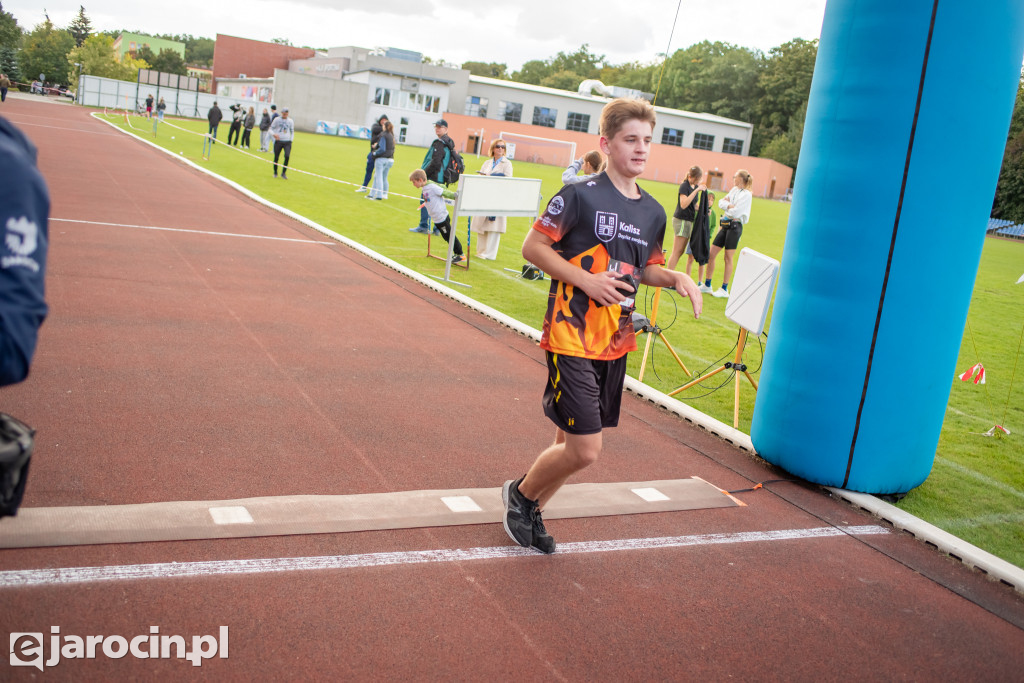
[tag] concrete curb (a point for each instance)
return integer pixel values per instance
(943, 541)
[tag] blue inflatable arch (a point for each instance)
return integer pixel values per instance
(906, 125)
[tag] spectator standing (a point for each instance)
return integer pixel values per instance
(236, 123)
(490, 228)
(433, 167)
(682, 219)
(590, 163)
(283, 130)
(273, 112)
(149, 106)
(248, 123)
(214, 116)
(265, 131)
(161, 107)
(735, 214)
(384, 159)
(5, 83)
(376, 130)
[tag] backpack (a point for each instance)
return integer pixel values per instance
(454, 166)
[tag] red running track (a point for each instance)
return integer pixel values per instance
(192, 366)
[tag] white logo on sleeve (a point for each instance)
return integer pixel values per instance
(556, 206)
(21, 240)
(21, 236)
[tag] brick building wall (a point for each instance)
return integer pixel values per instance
(254, 58)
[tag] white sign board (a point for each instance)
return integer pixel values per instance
(482, 195)
(750, 293)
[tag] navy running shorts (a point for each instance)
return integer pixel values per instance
(582, 396)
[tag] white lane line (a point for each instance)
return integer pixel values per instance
(76, 575)
(198, 232)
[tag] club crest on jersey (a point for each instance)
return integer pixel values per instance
(556, 205)
(606, 225)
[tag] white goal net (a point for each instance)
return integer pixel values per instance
(539, 150)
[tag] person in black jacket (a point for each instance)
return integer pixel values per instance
(376, 131)
(384, 159)
(265, 131)
(24, 216)
(433, 166)
(214, 116)
(237, 114)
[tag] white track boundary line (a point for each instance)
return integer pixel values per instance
(198, 232)
(78, 575)
(979, 559)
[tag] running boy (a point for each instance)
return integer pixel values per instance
(598, 241)
(438, 212)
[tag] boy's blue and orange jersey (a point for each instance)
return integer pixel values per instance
(596, 228)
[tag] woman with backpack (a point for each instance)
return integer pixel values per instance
(488, 229)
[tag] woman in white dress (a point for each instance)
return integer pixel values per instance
(488, 229)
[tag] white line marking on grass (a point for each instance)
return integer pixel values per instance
(953, 525)
(77, 575)
(988, 481)
(198, 232)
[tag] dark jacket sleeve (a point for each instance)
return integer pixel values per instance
(436, 163)
(24, 212)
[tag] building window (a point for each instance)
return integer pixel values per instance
(543, 116)
(476, 106)
(672, 136)
(510, 111)
(403, 128)
(702, 141)
(578, 122)
(385, 97)
(732, 146)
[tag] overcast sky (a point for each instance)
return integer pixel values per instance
(457, 30)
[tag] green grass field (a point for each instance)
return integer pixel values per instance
(976, 489)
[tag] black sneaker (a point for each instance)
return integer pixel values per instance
(542, 540)
(520, 513)
(457, 258)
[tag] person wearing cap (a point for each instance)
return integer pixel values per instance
(433, 166)
(283, 130)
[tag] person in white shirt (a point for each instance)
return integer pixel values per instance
(736, 207)
(283, 130)
(489, 229)
(591, 163)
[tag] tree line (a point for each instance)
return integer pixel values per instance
(61, 54)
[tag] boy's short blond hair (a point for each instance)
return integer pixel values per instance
(617, 112)
(418, 174)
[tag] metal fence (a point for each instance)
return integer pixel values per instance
(94, 91)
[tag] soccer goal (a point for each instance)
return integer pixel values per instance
(539, 150)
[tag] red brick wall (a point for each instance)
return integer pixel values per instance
(254, 58)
